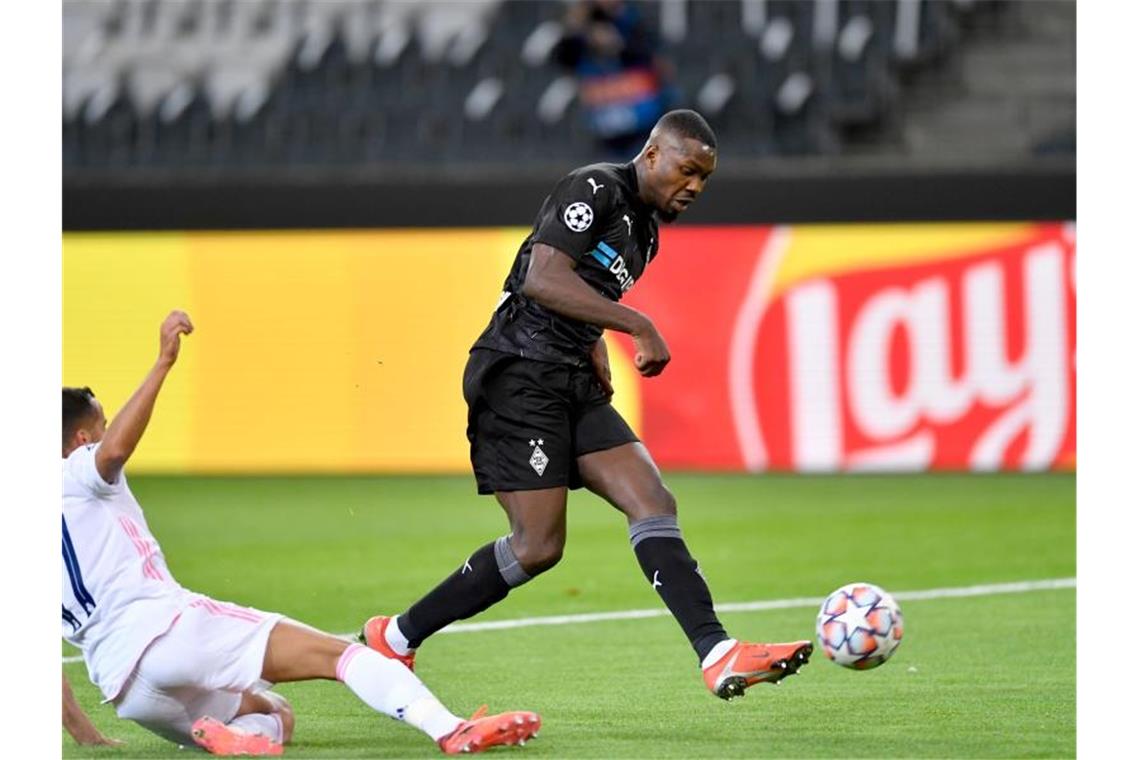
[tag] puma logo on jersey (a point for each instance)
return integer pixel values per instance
(594, 185)
(628, 223)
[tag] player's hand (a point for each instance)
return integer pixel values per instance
(176, 324)
(601, 359)
(101, 741)
(650, 352)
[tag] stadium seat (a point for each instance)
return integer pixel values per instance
(373, 81)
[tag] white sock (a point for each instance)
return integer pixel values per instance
(388, 687)
(396, 638)
(720, 650)
(260, 723)
(430, 716)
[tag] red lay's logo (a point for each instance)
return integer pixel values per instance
(890, 348)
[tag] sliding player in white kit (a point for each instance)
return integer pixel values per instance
(187, 667)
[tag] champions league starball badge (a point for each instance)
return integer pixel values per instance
(579, 216)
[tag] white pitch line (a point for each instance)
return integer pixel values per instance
(991, 589)
(772, 604)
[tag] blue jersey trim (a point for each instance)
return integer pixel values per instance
(607, 250)
(69, 618)
(74, 574)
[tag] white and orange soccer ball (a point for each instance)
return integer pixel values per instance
(859, 626)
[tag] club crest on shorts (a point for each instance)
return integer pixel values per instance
(538, 458)
(579, 216)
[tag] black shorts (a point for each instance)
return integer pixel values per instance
(529, 421)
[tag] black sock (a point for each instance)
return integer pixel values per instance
(484, 579)
(674, 573)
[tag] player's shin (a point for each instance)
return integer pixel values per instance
(483, 580)
(677, 578)
(388, 687)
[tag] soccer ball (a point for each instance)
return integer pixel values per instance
(859, 626)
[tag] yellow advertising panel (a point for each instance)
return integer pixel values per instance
(337, 351)
(816, 347)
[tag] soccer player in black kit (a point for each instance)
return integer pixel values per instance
(540, 422)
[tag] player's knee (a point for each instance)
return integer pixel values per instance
(657, 502)
(536, 556)
(664, 503)
(272, 703)
(285, 713)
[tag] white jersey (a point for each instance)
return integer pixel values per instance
(118, 595)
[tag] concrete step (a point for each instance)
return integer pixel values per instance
(1049, 19)
(1005, 90)
(1023, 86)
(1020, 59)
(999, 123)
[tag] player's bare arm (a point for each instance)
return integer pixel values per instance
(77, 723)
(130, 423)
(552, 282)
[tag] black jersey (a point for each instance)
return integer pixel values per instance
(595, 216)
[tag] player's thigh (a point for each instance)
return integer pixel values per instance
(212, 646)
(297, 652)
(519, 426)
(596, 425)
(627, 478)
(538, 515)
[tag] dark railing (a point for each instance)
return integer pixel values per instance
(496, 197)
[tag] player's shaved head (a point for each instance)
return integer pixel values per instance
(78, 408)
(686, 123)
(676, 162)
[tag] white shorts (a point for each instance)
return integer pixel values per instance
(212, 653)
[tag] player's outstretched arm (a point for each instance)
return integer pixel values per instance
(77, 723)
(552, 282)
(130, 423)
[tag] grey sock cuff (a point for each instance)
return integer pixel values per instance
(661, 526)
(508, 563)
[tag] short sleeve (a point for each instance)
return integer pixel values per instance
(80, 466)
(577, 212)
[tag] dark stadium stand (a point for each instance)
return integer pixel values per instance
(217, 84)
(239, 114)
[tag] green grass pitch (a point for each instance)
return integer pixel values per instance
(987, 676)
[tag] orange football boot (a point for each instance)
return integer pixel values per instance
(746, 665)
(219, 739)
(482, 731)
(373, 637)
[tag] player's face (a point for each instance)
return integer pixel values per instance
(682, 170)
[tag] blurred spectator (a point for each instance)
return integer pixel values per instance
(624, 84)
